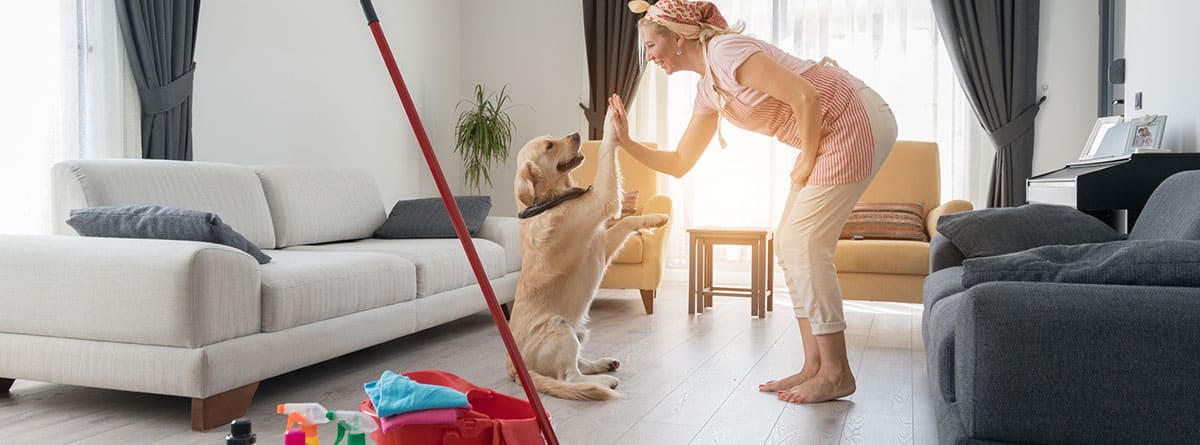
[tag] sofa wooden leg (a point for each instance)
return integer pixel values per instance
(220, 409)
(648, 300)
(507, 309)
(5, 384)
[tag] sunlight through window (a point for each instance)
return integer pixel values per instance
(65, 93)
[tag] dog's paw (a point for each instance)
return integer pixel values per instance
(610, 126)
(608, 364)
(656, 220)
(610, 381)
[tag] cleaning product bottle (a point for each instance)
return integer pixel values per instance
(354, 425)
(307, 416)
(239, 433)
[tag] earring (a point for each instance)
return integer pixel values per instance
(679, 52)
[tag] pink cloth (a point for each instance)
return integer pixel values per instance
(439, 416)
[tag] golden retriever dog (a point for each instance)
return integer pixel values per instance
(566, 247)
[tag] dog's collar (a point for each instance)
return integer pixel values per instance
(542, 206)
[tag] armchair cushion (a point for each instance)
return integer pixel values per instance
(631, 252)
(886, 220)
(629, 207)
(160, 222)
(896, 257)
(629, 203)
(991, 232)
(1142, 262)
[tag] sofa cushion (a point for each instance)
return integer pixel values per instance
(441, 264)
(427, 217)
(232, 191)
(990, 232)
(158, 222)
(302, 287)
(882, 256)
(1141, 262)
(320, 204)
(882, 220)
(939, 344)
(1173, 210)
(938, 286)
(631, 252)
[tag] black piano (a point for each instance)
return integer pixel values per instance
(1113, 189)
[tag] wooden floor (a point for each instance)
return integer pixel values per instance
(685, 379)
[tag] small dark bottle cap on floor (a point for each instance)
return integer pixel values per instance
(240, 433)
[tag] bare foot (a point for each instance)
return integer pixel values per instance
(788, 382)
(820, 388)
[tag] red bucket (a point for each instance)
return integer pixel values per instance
(494, 418)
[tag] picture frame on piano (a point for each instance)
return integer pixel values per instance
(1146, 132)
(1100, 129)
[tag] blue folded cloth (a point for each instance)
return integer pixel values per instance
(396, 394)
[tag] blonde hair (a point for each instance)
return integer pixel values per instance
(707, 32)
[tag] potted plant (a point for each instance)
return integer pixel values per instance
(482, 135)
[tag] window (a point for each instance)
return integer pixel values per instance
(66, 92)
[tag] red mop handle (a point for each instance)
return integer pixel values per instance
(460, 227)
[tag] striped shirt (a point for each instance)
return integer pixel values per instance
(847, 146)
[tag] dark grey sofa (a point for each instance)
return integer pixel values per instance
(1050, 362)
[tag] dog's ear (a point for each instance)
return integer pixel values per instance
(526, 183)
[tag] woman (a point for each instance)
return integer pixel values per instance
(844, 132)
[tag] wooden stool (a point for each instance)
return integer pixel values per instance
(762, 268)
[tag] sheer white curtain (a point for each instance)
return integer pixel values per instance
(892, 45)
(66, 92)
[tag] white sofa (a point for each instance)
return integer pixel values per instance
(206, 321)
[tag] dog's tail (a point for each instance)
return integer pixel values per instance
(572, 390)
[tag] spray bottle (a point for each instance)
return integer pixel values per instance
(293, 437)
(354, 424)
(307, 415)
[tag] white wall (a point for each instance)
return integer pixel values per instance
(1068, 38)
(1162, 62)
(302, 82)
(536, 47)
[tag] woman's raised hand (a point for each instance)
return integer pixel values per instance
(620, 119)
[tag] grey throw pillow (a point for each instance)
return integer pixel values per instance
(990, 232)
(427, 217)
(160, 222)
(1142, 262)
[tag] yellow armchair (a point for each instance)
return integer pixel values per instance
(639, 264)
(893, 270)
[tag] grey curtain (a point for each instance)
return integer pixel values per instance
(160, 39)
(611, 35)
(993, 46)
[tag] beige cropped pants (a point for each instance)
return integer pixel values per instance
(812, 221)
